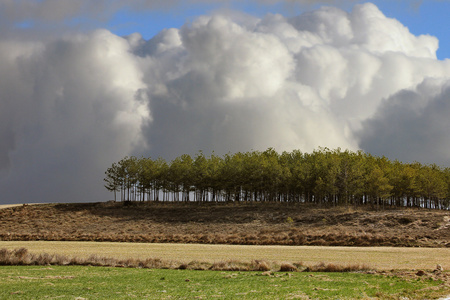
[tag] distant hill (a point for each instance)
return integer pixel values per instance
(250, 224)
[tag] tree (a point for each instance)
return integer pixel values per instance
(327, 169)
(213, 180)
(161, 178)
(350, 180)
(377, 187)
(113, 179)
(200, 177)
(431, 185)
(146, 176)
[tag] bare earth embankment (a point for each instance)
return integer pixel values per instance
(244, 224)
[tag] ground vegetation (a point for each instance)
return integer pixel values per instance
(83, 282)
(226, 223)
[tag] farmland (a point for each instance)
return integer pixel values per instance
(224, 237)
(379, 258)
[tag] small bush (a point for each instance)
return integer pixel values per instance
(5, 256)
(322, 267)
(260, 265)
(299, 265)
(230, 266)
(198, 265)
(287, 267)
(154, 263)
(405, 221)
(21, 253)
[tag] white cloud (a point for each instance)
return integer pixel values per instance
(302, 82)
(70, 108)
(72, 105)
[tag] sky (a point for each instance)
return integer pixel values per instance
(86, 83)
(421, 17)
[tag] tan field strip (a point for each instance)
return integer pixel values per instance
(9, 205)
(14, 205)
(381, 258)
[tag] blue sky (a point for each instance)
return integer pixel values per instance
(426, 17)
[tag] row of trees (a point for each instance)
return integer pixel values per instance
(325, 177)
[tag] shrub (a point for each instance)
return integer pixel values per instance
(154, 263)
(21, 253)
(288, 267)
(300, 266)
(23, 257)
(322, 267)
(5, 256)
(260, 265)
(230, 265)
(198, 265)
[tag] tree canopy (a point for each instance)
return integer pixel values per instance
(324, 177)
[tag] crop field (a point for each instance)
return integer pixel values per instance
(379, 258)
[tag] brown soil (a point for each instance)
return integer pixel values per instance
(248, 224)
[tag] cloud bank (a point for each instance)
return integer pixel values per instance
(412, 124)
(68, 108)
(236, 84)
(73, 104)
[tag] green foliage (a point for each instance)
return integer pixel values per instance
(325, 177)
(73, 282)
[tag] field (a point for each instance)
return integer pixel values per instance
(106, 234)
(72, 282)
(379, 258)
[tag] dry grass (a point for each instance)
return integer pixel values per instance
(245, 232)
(288, 267)
(22, 256)
(331, 267)
(244, 224)
(260, 265)
(380, 258)
(17, 205)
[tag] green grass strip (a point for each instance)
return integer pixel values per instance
(78, 282)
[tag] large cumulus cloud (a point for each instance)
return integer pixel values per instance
(412, 125)
(229, 83)
(73, 104)
(69, 108)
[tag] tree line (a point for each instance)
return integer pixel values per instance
(324, 177)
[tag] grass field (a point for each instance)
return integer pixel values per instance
(380, 258)
(73, 282)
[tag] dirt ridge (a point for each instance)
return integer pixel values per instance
(210, 223)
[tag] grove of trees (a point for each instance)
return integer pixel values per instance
(324, 177)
